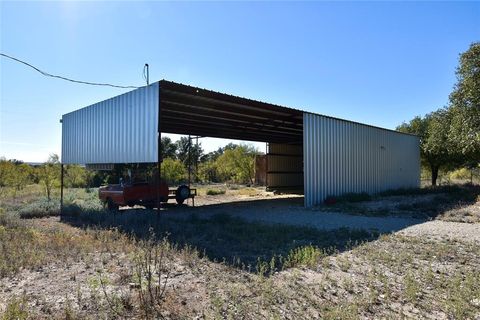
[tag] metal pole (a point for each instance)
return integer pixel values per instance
(148, 73)
(61, 190)
(196, 162)
(159, 169)
(266, 166)
(159, 150)
(189, 160)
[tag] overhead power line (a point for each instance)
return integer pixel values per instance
(64, 78)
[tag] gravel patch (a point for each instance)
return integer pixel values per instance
(331, 220)
(291, 211)
(443, 230)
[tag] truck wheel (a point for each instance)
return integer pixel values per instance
(182, 193)
(111, 205)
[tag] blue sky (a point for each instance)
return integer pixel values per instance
(374, 62)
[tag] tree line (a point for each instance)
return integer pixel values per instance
(450, 136)
(232, 163)
(17, 175)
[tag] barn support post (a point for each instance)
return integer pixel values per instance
(159, 170)
(61, 189)
(159, 154)
(266, 167)
(189, 160)
(196, 161)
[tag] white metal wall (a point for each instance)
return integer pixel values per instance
(122, 129)
(342, 157)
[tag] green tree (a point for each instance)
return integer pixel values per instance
(208, 171)
(432, 131)
(169, 149)
(14, 174)
(7, 172)
(237, 164)
(21, 176)
(76, 176)
(464, 133)
(173, 171)
(212, 156)
(49, 174)
(183, 147)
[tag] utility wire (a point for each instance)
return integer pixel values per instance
(64, 78)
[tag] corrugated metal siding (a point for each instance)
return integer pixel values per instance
(261, 170)
(122, 129)
(284, 181)
(341, 157)
(284, 166)
(285, 163)
(279, 148)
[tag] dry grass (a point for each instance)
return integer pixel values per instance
(456, 203)
(26, 247)
(49, 269)
(463, 213)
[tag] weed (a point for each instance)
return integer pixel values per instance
(251, 192)
(262, 268)
(346, 311)
(462, 290)
(16, 309)
(151, 274)
(354, 197)
(307, 256)
(68, 311)
(348, 285)
(387, 290)
(411, 287)
(215, 192)
(40, 208)
(349, 197)
(223, 237)
(419, 191)
(344, 263)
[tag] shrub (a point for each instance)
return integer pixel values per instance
(215, 192)
(420, 191)
(16, 309)
(330, 200)
(40, 209)
(173, 171)
(355, 197)
(307, 256)
(8, 220)
(348, 197)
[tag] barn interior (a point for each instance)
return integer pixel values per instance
(194, 111)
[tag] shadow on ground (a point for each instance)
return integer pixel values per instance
(243, 232)
(425, 203)
(222, 236)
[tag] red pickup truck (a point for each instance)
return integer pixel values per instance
(142, 193)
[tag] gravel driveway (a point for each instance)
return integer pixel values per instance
(291, 211)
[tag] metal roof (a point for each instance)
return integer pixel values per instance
(124, 129)
(189, 110)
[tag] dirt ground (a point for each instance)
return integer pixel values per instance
(425, 268)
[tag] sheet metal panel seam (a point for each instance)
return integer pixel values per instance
(342, 157)
(116, 130)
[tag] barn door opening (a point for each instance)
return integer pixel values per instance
(284, 168)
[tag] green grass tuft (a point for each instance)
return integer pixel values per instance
(307, 256)
(215, 192)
